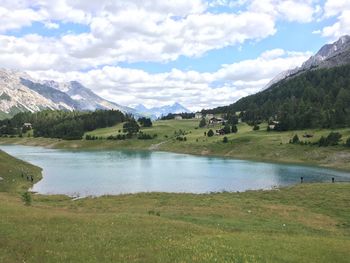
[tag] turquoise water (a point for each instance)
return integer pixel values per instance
(84, 173)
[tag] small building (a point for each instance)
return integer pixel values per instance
(209, 116)
(272, 124)
(220, 132)
(27, 125)
(198, 115)
(178, 117)
(215, 121)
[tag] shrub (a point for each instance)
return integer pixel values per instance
(295, 139)
(210, 133)
(144, 136)
(234, 129)
(145, 122)
(227, 129)
(256, 127)
(202, 123)
(332, 139)
(225, 140)
(27, 198)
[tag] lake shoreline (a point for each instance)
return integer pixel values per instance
(101, 145)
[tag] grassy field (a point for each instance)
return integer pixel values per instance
(246, 144)
(304, 223)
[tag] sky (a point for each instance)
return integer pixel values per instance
(199, 53)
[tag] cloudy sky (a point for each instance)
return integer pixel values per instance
(155, 52)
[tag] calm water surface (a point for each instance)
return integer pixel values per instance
(83, 173)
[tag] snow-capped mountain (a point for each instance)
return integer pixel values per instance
(157, 112)
(330, 55)
(19, 92)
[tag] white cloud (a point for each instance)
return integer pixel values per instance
(193, 89)
(340, 28)
(51, 25)
(341, 9)
(154, 31)
(336, 7)
(302, 11)
(121, 32)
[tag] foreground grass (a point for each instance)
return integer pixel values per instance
(246, 144)
(304, 223)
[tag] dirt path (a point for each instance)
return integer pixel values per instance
(156, 146)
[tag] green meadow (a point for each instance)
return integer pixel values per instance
(303, 223)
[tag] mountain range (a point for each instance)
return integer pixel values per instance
(19, 92)
(157, 112)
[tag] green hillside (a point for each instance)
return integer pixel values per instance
(315, 99)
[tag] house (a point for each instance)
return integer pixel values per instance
(272, 124)
(220, 132)
(198, 115)
(215, 121)
(178, 117)
(27, 125)
(271, 127)
(209, 116)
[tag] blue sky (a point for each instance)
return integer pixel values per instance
(161, 52)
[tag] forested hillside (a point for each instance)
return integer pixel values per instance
(60, 124)
(315, 99)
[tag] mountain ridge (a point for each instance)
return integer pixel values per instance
(328, 56)
(19, 92)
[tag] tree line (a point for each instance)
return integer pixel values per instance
(61, 124)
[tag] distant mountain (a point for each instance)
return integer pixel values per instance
(19, 92)
(157, 112)
(330, 55)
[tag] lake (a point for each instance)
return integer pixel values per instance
(96, 173)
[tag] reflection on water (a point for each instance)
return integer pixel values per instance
(114, 172)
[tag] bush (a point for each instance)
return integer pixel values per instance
(145, 122)
(202, 123)
(256, 127)
(225, 140)
(27, 198)
(295, 139)
(145, 136)
(234, 129)
(331, 140)
(227, 129)
(210, 133)
(131, 127)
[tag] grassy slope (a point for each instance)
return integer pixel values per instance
(11, 170)
(304, 223)
(246, 144)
